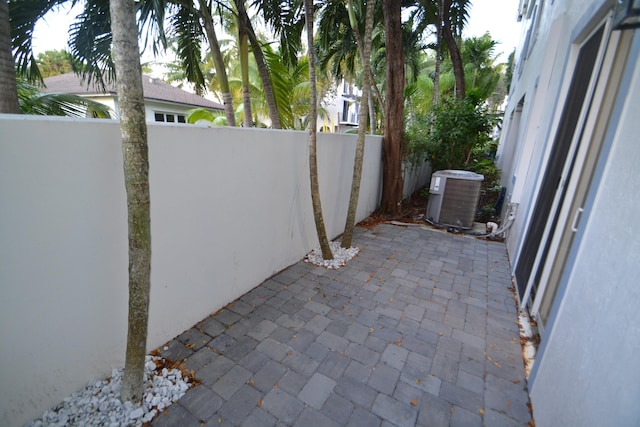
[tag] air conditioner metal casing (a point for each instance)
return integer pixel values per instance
(453, 199)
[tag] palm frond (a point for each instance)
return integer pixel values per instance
(151, 19)
(198, 114)
(281, 85)
(90, 43)
(32, 101)
(189, 36)
(23, 16)
(286, 19)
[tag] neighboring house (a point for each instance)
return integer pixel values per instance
(342, 109)
(570, 160)
(163, 102)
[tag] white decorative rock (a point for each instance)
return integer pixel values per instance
(99, 404)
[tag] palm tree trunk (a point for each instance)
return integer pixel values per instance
(394, 109)
(347, 237)
(313, 124)
(243, 51)
(436, 78)
(218, 61)
(372, 112)
(274, 115)
(136, 175)
(8, 87)
(359, 45)
(376, 94)
(454, 51)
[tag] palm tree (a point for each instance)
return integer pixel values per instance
(240, 24)
(287, 21)
(218, 60)
(454, 17)
(366, 65)
(339, 28)
(313, 160)
(483, 74)
(419, 91)
(263, 71)
(90, 42)
(17, 22)
(347, 237)
(136, 172)
(290, 88)
(24, 15)
(449, 17)
(18, 90)
(246, 34)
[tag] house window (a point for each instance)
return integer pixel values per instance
(350, 111)
(169, 117)
(345, 111)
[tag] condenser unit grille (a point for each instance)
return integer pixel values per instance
(459, 202)
(454, 198)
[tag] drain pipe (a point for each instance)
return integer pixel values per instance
(513, 207)
(496, 232)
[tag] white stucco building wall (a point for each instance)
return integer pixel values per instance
(586, 372)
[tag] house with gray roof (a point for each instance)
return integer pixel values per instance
(163, 102)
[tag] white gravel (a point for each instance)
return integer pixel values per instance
(99, 404)
(340, 256)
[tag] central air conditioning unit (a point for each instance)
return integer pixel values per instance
(453, 199)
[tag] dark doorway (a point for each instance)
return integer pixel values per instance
(560, 152)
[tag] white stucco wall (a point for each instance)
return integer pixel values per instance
(588, 372)
(415, 177)
(229, 207)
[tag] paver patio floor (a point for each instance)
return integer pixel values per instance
(419, 329)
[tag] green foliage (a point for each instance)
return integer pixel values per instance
(484, 164)
(425, 193)
(483, 74)
(457, 127)
(198, 114)
(54, 63)
(508, 75)
(416, 144)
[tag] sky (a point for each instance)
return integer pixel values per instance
(51, 32)
(498, 17)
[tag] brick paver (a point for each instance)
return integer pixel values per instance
(419, 329)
